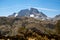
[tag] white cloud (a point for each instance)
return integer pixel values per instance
(47, 9)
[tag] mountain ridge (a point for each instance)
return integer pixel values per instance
(27, 12)
(35, 13)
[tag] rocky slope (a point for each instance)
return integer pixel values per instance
(13, 24)
(26, 27)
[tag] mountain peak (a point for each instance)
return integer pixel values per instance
(32, 12)
(57, 15)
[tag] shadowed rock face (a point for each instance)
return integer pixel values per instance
(23, 12)
(33, 11)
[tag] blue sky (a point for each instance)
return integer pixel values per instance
(48, 7)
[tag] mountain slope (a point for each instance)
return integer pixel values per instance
(8, 25)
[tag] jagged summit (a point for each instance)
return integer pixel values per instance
(28, 13)
(35, 13)
(23, 12)
(33, 10)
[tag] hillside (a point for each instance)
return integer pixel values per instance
(22, 26)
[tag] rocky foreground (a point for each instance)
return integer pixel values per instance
(25, 28)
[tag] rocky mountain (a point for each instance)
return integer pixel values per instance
(13, 15)
(21, 28)
(33, 12)
(57, 17)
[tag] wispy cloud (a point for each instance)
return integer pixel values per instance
(39, 8)
(47, 9)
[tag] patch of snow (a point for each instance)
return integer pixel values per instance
(32, 15)
(43, 19)
(36, 17)
(48, 18)
(16, 14)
